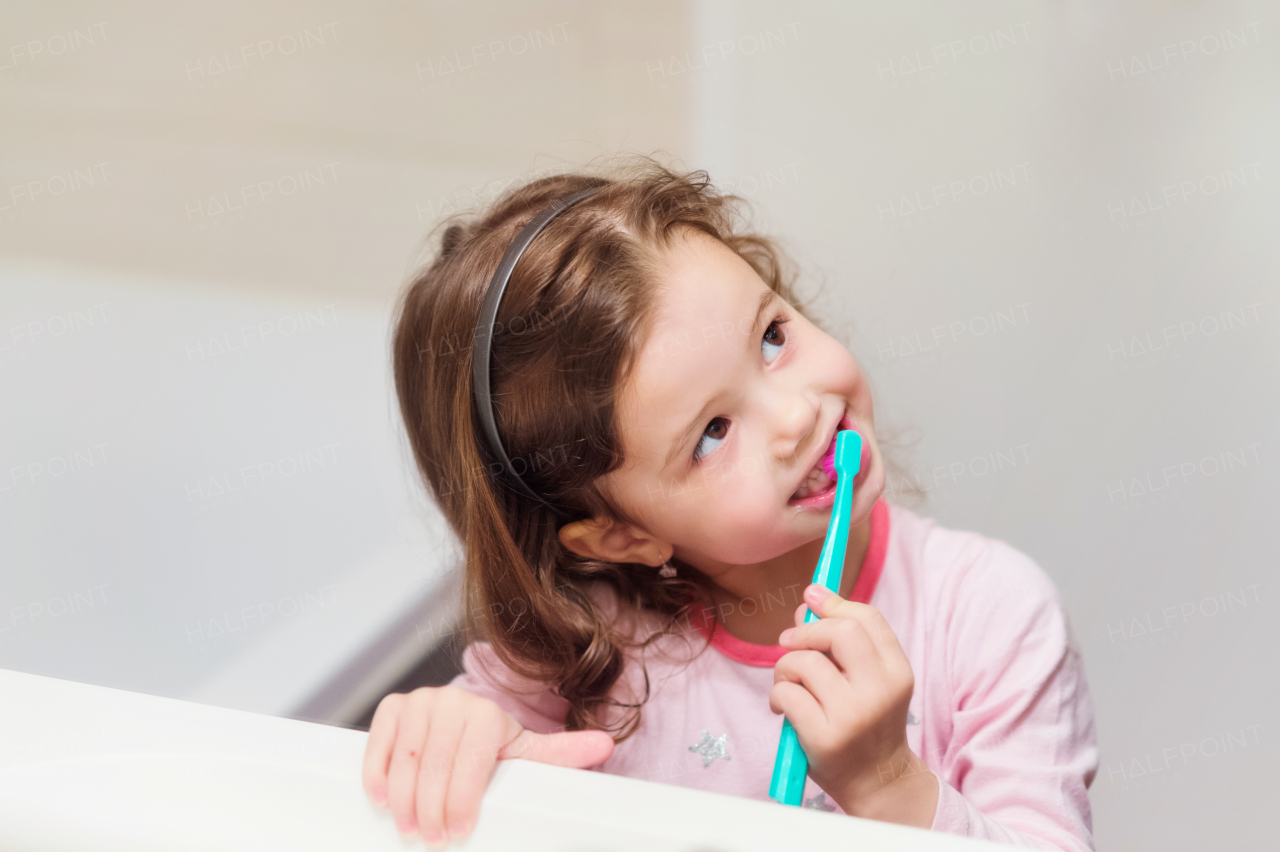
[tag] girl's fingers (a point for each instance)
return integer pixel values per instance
(825, 602)
(801, 612)
(477, 754)
(377, 752)
(845, 638)
(439, 756)
(798, 705)
(830, 605)
(817, 674)
(576, 749)
(411, 733)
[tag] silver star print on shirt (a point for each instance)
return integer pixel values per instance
(911, 719)
(710, 748)
(819, 803)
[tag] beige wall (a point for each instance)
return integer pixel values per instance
(129, 130)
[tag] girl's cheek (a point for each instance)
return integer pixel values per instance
(728, 482)
(743, 471)
(733, 520)
(744, 510)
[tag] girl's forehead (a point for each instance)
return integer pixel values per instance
(703, 284)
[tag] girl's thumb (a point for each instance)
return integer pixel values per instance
(576, 749)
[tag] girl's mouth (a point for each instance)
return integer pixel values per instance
(818, 489)
(817, 483)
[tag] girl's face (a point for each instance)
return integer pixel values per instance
(733, 401)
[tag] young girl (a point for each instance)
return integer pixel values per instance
(636, 576)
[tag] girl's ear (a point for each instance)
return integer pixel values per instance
(614, 541)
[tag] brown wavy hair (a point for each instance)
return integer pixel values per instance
(573, 318)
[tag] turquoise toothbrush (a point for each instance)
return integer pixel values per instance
(791, 766)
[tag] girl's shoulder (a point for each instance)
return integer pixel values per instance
(537, 704)
(955, 564)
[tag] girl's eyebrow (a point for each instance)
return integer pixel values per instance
(767, 298)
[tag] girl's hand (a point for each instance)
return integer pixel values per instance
(846, 685)
(431, 752)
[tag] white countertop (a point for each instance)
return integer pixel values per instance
(87, 767)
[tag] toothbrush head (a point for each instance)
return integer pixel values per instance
(829, 463)
(847, 459)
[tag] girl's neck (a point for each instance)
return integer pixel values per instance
(757, 602)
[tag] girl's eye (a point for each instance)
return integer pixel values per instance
(773, 340)
(714, 433)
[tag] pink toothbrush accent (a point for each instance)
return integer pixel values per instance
(829, 461)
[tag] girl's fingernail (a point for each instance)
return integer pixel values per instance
(408, 829)
(785, 635)
(380, 800)
(815, 593)
(459, 833)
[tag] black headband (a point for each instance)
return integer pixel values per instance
(484, 334)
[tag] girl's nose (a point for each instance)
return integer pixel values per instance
(793, 417)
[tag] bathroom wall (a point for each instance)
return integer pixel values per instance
(1048, 233)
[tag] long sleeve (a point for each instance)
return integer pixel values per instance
(1023, 748)
(533, 705)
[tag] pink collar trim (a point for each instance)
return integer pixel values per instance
(768, 655)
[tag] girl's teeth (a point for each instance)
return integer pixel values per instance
(816, 481)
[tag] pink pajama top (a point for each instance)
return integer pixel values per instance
(1001, 712)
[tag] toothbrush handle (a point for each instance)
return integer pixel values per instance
(789, 769)
(791, 766)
